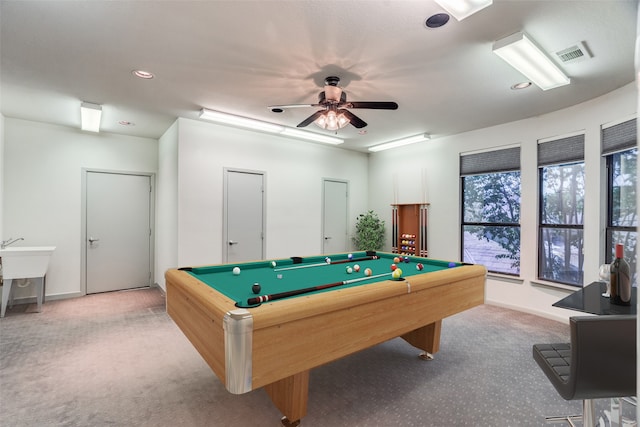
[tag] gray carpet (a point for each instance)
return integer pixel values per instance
(117, 359)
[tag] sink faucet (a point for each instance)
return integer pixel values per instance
(9, 241)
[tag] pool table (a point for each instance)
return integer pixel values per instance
(275, 344)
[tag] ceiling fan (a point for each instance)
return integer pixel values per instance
(334, 113)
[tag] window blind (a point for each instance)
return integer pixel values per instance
(563, 150)
(622, 136)
(504, 160)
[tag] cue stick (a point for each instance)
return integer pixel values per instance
(265, 298)
(300, 266)
(344, 261)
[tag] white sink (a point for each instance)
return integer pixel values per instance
(23, 262)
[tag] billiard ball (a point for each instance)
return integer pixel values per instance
(367, 272)
(406, 259)
(356, 268)
(452, 264)
(396, 260)
(397, 273)
(349, 270)
(419, 266)
(256, 288)
(327, 260)
(236, 271)
(393, 267)
(273, 264)
(350, 256)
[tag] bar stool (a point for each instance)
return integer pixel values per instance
(598, 363)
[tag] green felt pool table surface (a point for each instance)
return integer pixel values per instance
(311, 271)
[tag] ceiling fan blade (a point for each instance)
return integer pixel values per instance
(310, 119)
(372, 105)
(353, 119)
(281, 108)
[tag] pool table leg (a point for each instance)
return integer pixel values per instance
(290, 395)
(426, 338)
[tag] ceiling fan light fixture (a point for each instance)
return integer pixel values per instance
(332, 121)
(401, 142)
(332, 93)
(522, 53)
(461, 9)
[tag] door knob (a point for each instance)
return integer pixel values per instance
(327, 238)
(231, 242)
(91, 240)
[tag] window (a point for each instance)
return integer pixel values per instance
(491, 210)
(619, 149)
(561, 204)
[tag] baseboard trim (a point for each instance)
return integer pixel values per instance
(559, 317)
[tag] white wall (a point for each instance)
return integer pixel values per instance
(42, 189)
(166, 243)
(432, 169)
(294, 171)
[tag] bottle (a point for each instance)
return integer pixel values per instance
(620, 279)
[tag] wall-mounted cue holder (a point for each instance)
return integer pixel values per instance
(409, 229)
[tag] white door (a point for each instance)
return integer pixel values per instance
(118, 231)
(244, 216)
(334, 211)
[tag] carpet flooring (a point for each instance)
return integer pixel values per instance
(117, 359)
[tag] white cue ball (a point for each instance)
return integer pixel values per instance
(273, 264)
(349, 270)
(236, 270)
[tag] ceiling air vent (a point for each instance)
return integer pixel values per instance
(575, 53)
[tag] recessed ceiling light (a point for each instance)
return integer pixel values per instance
(142, 74)
(437, 20)
(126, 123)
(362, 132)
(521, 85)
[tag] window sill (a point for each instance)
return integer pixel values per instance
(554, 285)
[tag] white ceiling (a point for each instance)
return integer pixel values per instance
(241, 56)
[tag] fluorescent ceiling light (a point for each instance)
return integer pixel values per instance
(244, 122)
(461, 9)
(521, 53)
(90, 115)
(401, 142)
(311, 136)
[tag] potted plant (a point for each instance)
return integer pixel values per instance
(369, 232)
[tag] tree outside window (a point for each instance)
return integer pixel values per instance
(622, 217)
(491, 228)
(561, 258)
